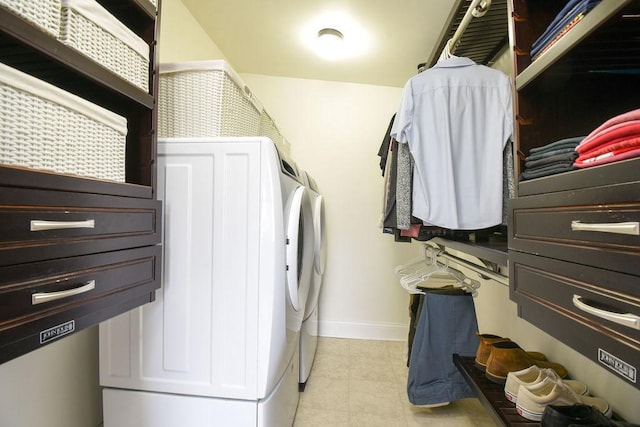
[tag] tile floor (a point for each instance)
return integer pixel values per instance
(363, 383)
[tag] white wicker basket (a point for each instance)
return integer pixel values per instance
(286, 147)
(268, 128)
(44, 14)
(44, 127)
(205, 99)
(89, 28)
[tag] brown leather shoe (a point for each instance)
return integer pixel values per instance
(484, 350)
(507, 356)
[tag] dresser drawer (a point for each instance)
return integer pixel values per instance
(597, 226)
(61, 225)
(36, 297)
(595, 311)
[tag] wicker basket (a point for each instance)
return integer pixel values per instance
(44, 127)
(44, 14)
(286, 147)
(269, 129)
(89, 28)
(205, 99)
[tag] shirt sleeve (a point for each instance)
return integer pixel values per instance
(508, 107)
(402, 125)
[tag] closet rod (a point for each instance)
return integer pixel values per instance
(483, 271)
(476, 9)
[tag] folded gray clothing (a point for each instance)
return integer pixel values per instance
(550, 153)
(546, 170)
(562, 143)
(545, 161)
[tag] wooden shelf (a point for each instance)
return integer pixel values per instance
(591, 22)
(30, 50)
(596, 176)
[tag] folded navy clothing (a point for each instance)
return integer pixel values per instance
(556, 145)
(564, 157)
(552, 39)
(564, 12)
(572, 10)
(545, 154)
(546, 170)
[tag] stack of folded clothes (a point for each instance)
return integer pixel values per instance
(616, 139)
(550, 159)
(568, 17)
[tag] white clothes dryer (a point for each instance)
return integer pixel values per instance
(310, 327)
(220, 345)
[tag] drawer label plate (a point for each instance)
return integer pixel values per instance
(58, 331)
(617, 365)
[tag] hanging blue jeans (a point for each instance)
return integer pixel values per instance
(447, 325)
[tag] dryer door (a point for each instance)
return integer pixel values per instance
(295, 246)
(320, 248)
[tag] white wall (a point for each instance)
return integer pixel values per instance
(181, 37)
(54, 386)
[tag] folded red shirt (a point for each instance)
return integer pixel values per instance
(607, 158)
(621, 118)
(617, 132)
(616, 145)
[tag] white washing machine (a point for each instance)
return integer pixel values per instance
(309, 331)
(220, 345)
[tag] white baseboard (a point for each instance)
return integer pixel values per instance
(366, 331)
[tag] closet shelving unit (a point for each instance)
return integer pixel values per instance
(555, 273)
(571, 283)
(121, 255)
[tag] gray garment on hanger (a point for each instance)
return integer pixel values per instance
(403, 186)
(508, 179)
(390, 203)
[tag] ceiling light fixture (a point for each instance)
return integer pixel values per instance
(330, 43)
(346, 37)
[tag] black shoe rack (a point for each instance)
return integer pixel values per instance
(490, 394)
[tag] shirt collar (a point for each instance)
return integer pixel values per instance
(454, 61)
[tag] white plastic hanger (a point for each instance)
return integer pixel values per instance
(449, 276)
(446, 52)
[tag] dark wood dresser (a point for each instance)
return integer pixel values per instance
(75, 251)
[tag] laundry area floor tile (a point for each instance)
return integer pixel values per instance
(357, 383)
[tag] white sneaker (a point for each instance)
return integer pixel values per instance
(534, 375)
(533, 399)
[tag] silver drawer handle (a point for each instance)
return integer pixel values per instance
(40, 225)
(42, 297)
(616, 227)
(624, 319)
